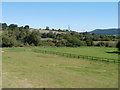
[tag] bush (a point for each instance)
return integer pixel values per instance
(47, 44)
(100, 44)
(118, 45)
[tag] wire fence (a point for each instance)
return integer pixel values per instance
(79, 56)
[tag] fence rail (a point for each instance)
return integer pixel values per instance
(79, 56)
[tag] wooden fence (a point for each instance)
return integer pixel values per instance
(79, 56)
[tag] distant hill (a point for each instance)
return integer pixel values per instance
(105, 31)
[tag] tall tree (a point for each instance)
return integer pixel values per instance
(26, 27)
(118, 45)
(34, 38)
(4, 26)
(12, 26)
(47, 28)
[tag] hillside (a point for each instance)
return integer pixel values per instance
(48, 31)
(105, 31)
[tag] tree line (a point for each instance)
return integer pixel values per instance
(13, 35)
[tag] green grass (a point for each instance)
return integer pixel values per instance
(88, 51)
(23, 68)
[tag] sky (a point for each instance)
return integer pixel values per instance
(81, 16)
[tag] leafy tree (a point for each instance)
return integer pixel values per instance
(73, 41)
(34, 38)
(26, 27)
(22, 36)
(59, 30)
(44, 43)
(118, 45)
(47, 28)
(62, 42)
(100, 44)
(12, 26)
(21, 28)
(4, 26)
(89, 41)
(53, 29)
(9, 41)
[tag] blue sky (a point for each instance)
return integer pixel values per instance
(81, 16)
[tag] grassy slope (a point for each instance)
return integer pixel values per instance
(90, 51)
(30, 69)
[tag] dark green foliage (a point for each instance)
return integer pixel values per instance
(19, 36)
(33, 38)
(4, 26)
(47, 28)
(9, 41)
(50, 35)
(13, 35)
(105, 44)
(73, 41)
(118, 45)
(89, 41)
(61, 43)
(12, 26)
(100, 44)
(26, 27)
(47, 43)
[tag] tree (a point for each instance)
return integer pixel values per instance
(62, 42)
(89, 41)
(59, 30)
(100, 44)
(26, 27)
(47, 28)
(21, 28)
(118, 45)
(12, 26)
(33, 38)
(4, 26)
(73, 41)
(53, 29)
(9, 41)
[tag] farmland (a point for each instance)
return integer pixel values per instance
(59, 45)
(23, 67)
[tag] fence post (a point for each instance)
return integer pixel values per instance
(80, 56)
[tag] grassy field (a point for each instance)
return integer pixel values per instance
(24, 68)
(90, 51)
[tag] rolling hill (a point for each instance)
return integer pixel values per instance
(105, 31)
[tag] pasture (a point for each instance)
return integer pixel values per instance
(24, 68)
(90, 51)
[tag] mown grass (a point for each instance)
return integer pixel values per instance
(23, 68)
(88, 51)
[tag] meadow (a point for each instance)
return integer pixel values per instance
(22, 67)
(90, 51)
